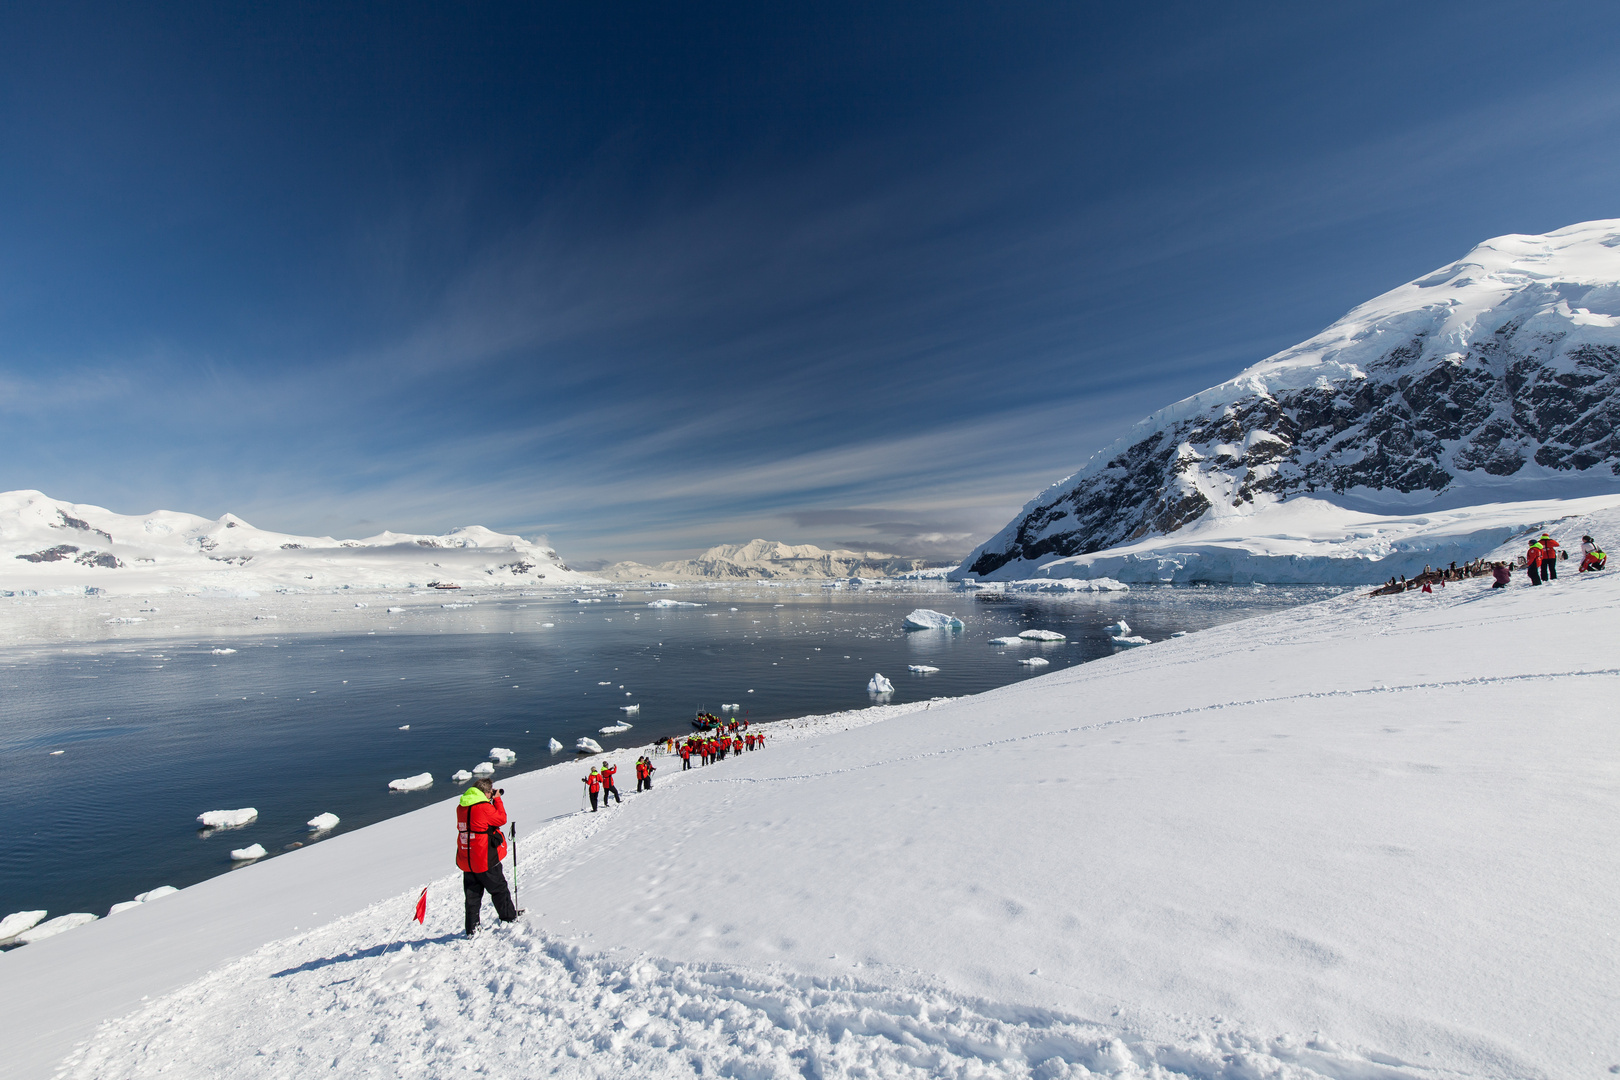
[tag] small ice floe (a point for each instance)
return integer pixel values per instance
(484, 768)
(547, 625)
(53, 753)
(17, 922)
(730, 708)
(222, 652)
(926, 619)
(362, 605)
(52, 927)
(615, 729)
(879, 685)
(156, 894)
(460, 776)
(1006, 641)
(122, 905)
(452, 607)
(733, 609)
(1122, 638)
(554, 746)
(323, 822)
(921, 669)
(1035, 661)
(500, 755)
(609, 683)
(665, 602)
(227, 819)
(412, 783)
(1042, 635)
(404, 727)
(395, 610)
(586, 600)
(588, 746)
(1179, 633)
(249, 853)
(630, 708)
(263, 618)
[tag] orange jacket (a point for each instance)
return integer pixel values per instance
(478, 832)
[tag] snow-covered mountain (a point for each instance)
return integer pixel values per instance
(47, 545)
(768, 559)
(1490, 381)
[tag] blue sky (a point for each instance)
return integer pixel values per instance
(645, 278)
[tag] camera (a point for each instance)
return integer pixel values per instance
(500, 791)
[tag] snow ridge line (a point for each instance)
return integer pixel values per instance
(1105, 724)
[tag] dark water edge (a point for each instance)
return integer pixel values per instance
(296, 724)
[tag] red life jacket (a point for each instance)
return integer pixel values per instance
(686, 751)
(607, 777)
(478, 831)
(594, 782)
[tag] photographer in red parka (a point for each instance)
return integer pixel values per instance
(480, 847)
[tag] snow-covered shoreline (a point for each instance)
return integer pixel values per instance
(1364, 837)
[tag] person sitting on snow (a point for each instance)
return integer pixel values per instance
(1502, 574)
(1592, 557)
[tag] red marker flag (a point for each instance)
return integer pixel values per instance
(421, 907)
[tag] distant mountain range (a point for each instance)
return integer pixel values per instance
(47, 545)
(766, 560)
(1493, 381)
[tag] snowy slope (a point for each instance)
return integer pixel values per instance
(1492, 380)
(1362, 839)
(50, 546)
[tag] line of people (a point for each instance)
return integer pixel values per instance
(713, 746)
(708, 748)
(1540, 563)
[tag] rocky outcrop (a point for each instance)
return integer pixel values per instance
(1500, 372)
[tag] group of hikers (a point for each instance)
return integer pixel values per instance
(1540, 563)
(713, 746)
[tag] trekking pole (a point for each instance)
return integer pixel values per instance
(513, 829)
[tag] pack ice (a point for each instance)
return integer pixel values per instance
(927, 619)
(412, 783)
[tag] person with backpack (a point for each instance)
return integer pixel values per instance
(480, 847)
(593, 784)
(1549, 558)
(1592, 557)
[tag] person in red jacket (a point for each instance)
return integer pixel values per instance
(480, 847)
(608, 769)
(686, 756)
(593, 784)
(1549, 558)
(1532, 562)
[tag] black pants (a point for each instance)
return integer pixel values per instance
(1549, 570)
(1530, 569)
(686, 762)
(613, 791)
(593, 801)
(494, 881)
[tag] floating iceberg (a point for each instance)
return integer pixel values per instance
(926, 619)
(922, 669)
(1006, 641)
(1042, 635)
(412, 783)
(249, 853)
(1035, 661)
(588, 746)
(484, 768)
(323, 822)
(17, 922)
(614, 729)
(227, 819)
(1120, 632)
(460, 776)
(630, 708)
(879, 685)
(554, 746)
(222, 652)
(55, 926)
(730, 708)
(665, 602)
(500, 755)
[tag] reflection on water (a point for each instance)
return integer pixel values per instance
(297, 724)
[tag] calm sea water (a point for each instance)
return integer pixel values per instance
(297, 724)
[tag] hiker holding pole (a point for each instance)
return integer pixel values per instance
(479, 850)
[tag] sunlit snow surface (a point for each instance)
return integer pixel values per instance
(1366, 838)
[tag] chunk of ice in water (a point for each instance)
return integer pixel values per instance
(323, 822)
(500, 755)
(227, 819)
(879, 685)
(412, 783)
(17, 922)
(630, 708)
(588, 746)
(1006, 641)
(614, 729)
(922, 669)
(52, 927)
(484, 768)
(1042, 635)
(222, 652)
(554, 746)
(461, 776)
(1035, 661)
(928, 619)
(249, 853)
